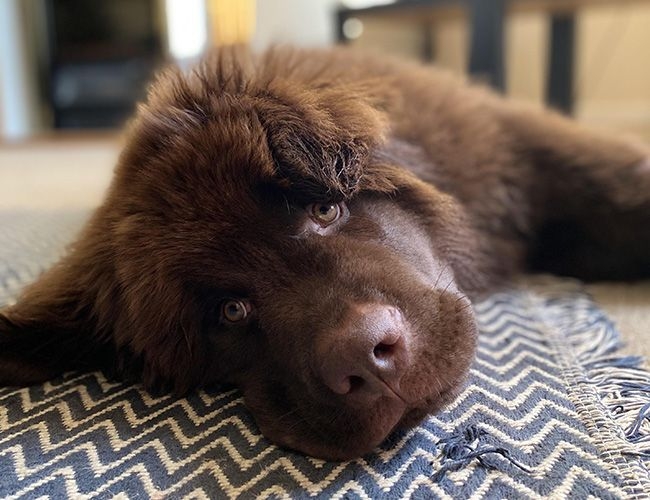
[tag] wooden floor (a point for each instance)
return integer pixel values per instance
(56, 173)
(75, 172)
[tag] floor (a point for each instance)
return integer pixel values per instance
(68, 172)
(74, 172)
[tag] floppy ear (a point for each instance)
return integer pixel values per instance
(57, 324)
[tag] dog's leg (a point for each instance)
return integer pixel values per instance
(52, 328)
(592, 192)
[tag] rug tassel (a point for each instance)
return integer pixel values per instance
(458, 451)
(621, 382)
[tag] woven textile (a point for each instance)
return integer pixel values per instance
(548, 412)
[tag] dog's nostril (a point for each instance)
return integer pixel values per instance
(355, 383)
(383, 350)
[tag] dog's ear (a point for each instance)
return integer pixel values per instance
(56, 324)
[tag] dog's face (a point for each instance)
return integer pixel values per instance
(270, 238)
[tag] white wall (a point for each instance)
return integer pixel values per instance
(308, 23)
(18, 103)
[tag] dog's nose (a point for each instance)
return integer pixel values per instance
(367, 355)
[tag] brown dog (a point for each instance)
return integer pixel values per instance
(309, 225)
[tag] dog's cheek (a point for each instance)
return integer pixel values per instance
(446, 350)
(230, 356)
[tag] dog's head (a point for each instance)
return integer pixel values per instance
(262, 230)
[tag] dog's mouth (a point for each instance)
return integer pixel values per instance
(355, 436)
(339, 433)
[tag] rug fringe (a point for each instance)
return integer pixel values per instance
(621, 382)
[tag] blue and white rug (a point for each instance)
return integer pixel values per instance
(550, 411)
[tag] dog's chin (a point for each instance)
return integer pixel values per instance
(344, 434)
(355, 435)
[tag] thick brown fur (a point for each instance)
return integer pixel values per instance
(445, 191)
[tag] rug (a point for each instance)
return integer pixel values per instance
(550, 411)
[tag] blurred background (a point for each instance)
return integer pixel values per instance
(79, 65)
(71, 71)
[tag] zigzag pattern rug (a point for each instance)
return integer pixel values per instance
(548, 412)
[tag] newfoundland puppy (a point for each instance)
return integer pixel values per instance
(311, 226)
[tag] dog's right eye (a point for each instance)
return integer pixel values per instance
(324, 213)
(234, 311)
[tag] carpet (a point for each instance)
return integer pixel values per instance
(550, 411)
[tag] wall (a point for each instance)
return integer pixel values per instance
(303, 22)
(612, 73)
(19, 115)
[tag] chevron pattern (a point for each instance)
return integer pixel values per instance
(84, 437)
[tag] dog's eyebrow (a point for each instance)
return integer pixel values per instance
(222, 291)
(310, 155)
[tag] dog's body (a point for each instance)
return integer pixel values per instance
(308, 225)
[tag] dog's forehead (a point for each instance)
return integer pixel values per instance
(178, 153)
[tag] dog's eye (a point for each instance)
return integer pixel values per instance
(324, 213)
(234, 311)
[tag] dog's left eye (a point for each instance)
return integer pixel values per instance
(234, 311)
(324, 213)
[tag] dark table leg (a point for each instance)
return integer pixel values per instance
(560, 73)
(487, 39)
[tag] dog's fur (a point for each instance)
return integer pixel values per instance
(445, 190)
